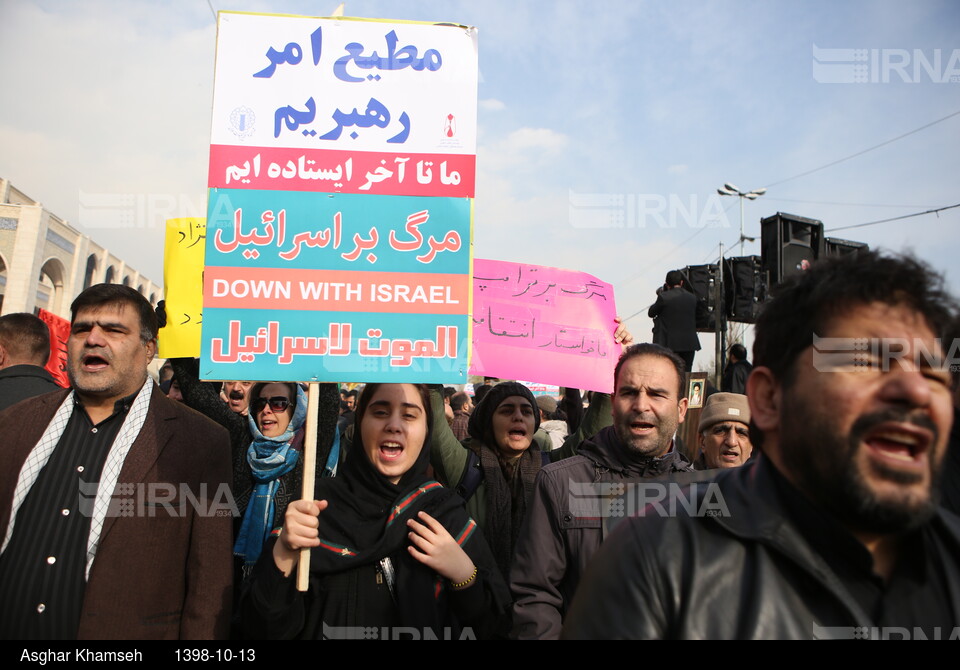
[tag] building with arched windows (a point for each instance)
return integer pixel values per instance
(44, 263)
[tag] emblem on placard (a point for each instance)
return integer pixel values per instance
(242, 120)
(450, 126)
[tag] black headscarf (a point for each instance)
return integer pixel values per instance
(480, 425)
(362, 499)
(366, 521)
(507, 501)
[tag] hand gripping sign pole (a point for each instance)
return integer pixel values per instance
(309, 470)
(323, 404)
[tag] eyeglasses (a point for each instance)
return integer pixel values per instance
(277, 403)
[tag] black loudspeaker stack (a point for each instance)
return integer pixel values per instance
(702, 281)
(745, 288)
(788, 245)
(833, 246)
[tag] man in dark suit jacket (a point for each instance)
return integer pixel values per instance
(675, 319)
(141, 549)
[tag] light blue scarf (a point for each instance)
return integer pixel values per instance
(269, 458)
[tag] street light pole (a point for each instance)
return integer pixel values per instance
(719, 323)
(741, 226)
(730, 189)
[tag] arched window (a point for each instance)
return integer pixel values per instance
(50, 286)
(90, 271)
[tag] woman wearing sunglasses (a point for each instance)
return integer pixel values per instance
(266, 444)
(272, 408)
(391, 550)
(274, 466)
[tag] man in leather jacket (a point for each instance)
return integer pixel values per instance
(834, 531)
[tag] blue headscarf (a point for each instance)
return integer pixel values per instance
(269, 458)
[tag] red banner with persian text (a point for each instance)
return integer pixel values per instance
(59, 334)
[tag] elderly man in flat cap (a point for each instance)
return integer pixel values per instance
(724, 434)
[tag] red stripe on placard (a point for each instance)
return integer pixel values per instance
(327, 171)
(335, 290)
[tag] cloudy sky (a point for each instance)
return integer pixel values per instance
(590, 113)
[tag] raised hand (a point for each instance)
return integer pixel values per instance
(621, 334)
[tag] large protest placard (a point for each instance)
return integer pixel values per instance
(544, 324)
(341, 180)
(325, 293)
(344, 106)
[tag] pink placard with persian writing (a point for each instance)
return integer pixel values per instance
(544, 324)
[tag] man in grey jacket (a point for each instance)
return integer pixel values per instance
(562, 530)
(834, 531)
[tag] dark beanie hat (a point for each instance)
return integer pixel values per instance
(480, 426)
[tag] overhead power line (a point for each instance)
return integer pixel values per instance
(860, 153)
(672, 251)
(842, 204)
(896, 218)
(823, 167)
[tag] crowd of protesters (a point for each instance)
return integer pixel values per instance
(816, 494)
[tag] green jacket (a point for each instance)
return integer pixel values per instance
(449, 456)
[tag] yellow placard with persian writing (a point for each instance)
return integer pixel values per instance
(183, 287)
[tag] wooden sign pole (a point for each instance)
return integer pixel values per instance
(309, 471)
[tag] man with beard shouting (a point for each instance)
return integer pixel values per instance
(834, 531)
